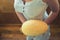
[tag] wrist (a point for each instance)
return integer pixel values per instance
(47, 22)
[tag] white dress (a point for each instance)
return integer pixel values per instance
(35, 9)
(31, 10)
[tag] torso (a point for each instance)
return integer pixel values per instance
(32, 8)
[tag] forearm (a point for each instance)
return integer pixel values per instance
(54, 6)
(21, 17)
(51, 17)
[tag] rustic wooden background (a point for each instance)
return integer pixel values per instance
(10, 24)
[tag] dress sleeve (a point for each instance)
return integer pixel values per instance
(18, 6)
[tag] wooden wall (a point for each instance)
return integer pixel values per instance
(7, 12)
(6, 6)
(8, 16)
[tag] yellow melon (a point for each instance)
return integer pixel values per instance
(34, 27)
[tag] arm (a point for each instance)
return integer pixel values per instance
(21, 17)
(54, 6)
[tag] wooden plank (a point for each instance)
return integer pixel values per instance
(12, 37)
(9, 18)
(10, 28)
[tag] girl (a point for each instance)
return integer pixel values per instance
(36, 10)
